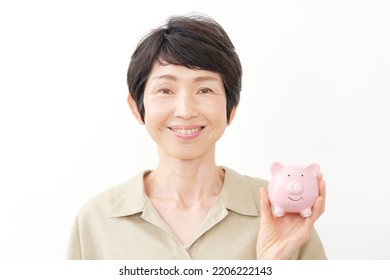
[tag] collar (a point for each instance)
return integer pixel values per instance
(130, 198)
(236, 195)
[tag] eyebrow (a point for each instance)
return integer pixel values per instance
(205, 78)
(197, 79)
(167, 77)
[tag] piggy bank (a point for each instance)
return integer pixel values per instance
(293, 189)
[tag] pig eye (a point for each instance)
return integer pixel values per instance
(301, 175)
(288, 175)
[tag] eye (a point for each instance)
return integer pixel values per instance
(289, 175)
(164, 91)
(205, 90)
(301, 175)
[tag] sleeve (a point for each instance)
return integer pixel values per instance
(74, 244)
(313, 249)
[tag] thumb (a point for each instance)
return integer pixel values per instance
(265, 205)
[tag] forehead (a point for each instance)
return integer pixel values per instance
(178, 72)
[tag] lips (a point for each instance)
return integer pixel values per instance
(186, 130)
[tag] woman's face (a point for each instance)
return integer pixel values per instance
(185, 110)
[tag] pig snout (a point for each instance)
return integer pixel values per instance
(295, 188)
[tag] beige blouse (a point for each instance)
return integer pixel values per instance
(121, 223)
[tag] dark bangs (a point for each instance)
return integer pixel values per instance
(193, 42)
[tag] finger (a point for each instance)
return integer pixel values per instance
(321, 189)
(319, 176)
(322, 194)
(320, 179)
(319, 205)
(317, 208)
(265, 205)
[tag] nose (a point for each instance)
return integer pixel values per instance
(186, 107)
(295, 188)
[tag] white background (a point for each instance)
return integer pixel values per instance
(315, 89)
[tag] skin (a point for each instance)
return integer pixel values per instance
(185, 114)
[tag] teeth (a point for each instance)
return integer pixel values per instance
(186, 131)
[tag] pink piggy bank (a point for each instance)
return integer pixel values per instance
(293, 189)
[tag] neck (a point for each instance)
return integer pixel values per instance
(185, 180)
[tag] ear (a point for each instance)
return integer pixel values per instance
(276, 167)
(134, 109)
(232, 114)
(313, 168)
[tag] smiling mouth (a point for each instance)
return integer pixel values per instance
(295, 199)
(187, 131)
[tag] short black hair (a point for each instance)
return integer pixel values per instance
(196, 42)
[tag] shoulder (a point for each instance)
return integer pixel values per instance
(113, 199)
(241, 192)
(237, 178)
(101, 204)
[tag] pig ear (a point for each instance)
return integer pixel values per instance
(313, 168)
(276, 167)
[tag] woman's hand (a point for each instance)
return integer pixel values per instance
(280, 237)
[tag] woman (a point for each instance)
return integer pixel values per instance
(184, 81)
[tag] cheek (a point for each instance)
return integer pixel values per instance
(217, 110)
(155, 109)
